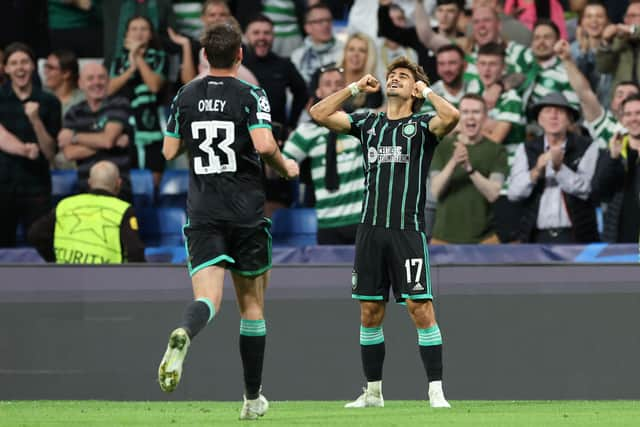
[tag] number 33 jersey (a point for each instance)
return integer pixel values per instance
(213, 117)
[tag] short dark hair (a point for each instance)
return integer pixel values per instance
(475, 97)
(259, 18)
(451, 48)
(18, 47)
(68, 62)
(459, 3)
(548, 23)
(627, 83)
(221, 43)
(418, 74)
(630, 98)
(492, 48)
(314, 7)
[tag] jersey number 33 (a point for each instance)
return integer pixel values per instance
(211, 163)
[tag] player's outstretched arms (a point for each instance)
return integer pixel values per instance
(326, 112)
(267, 147)
(447, 115)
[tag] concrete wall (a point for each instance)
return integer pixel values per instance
(510, 332)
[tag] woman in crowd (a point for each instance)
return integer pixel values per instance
(139, 74)
(593, 21)
(358, 60)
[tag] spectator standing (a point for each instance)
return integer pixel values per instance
(552, 176)
(276, 75)
(76, 25)
(29, 122)
(91, 228)
(287, 16)
(531, 11)
(61, 78)
(116, 15)
(620, 51)
(193, 62)
(336, 168)
(593, 21)
(320, 46)
(617, 178)
(389, 50)
(504, 125)
(358, 59)
(138, 74)
(546, 74)
(451, 67)
(467, 173)
(188, 13)
(98, 129)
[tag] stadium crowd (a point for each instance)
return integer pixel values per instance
(548, 92)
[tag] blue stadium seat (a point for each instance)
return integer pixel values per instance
(295, 227)
(162, 226)
(173, 188)
(63, 183)
(142, 187)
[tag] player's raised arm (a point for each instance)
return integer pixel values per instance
(266, 146)
(447, 115)
(327, 111)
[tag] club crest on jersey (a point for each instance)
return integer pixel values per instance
(409, 130)
(263, 102)
(372, 155)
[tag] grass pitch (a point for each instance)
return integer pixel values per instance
(309, 413)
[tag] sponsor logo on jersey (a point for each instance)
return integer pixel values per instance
(264, 116)
(387, 154)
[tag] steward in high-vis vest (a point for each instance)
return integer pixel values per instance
(91, 228)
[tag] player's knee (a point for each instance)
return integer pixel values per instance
(371, 314)
(422, 313)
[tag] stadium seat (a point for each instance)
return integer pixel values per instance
(142, 187)
(173, 188)
(162, 226)
(295, 227)
(63, 183)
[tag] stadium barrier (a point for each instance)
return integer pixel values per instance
(560, 331)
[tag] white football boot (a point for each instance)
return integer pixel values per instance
(370, 398)
(436, 395)
(255, 408)
(170, 369)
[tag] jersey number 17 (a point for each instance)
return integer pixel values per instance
(214, 163)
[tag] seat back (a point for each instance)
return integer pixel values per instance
(295, 227)
(173, 188)
(162, 226)
(142, 187)
(63, 183)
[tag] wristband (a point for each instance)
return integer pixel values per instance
(426, 91)
(353, 87)
(470, 171)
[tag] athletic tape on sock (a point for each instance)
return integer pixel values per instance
(429, 336)
(253, 328)
(371, 336)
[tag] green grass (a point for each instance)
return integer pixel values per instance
(395, 413)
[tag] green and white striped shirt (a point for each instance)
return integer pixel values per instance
(334, 208)
(518, 58)
(283, 15)
(603, 128)
(188, 14)
(545, 79)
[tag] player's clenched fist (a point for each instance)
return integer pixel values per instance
(292, 168)
(420, 86)
(368, 84)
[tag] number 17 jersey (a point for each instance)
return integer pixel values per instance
(213, 117)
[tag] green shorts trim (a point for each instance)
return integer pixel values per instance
(368, 297)
(417, 296)
(209, 263)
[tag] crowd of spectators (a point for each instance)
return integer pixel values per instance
(547, 89)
